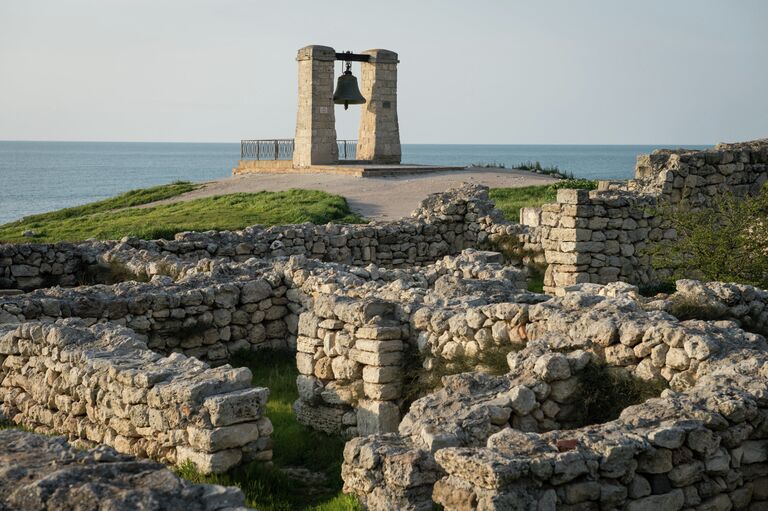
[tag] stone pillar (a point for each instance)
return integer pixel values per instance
(315, 141)
(379, 138)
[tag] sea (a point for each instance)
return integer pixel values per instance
(36, 177)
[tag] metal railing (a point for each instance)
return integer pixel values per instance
(347, 149)
(275, 149)
(282, 149)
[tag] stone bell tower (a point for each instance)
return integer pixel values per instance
(379, 134)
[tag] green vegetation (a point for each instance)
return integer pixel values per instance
(295, 446)
(536, 282)
(487, 165)
(110, 219)
(726, 242)
(510, 200)
(531, 166)
(419, 381)
(604, 392)
(549, 170)
(688, 307)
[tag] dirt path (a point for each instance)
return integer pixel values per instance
(376, 198)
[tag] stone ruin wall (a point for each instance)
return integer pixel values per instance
(508, 442)
(42, 472)
(202, 318)
(444, 224)
(358, 329)
(102, 385)
(603, 236)
(597, 237)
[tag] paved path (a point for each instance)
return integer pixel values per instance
(376, 198)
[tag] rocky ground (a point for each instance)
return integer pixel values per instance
(39, 472)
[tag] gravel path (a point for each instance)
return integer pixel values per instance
(376, 198)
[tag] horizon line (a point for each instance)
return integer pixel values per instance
(402, 143)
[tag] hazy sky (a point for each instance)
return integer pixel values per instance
(480, 71)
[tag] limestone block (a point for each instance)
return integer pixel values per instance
(568, 196)
(376, 346)
(346, 369)
(552, 366)
(522, 400)
(377, 417)
(209, 463)
(386, 374)
(305, 363)
(378, 332)
(656, 461)
(383, 391)
(241, 406)
(376, 359)
(225, 437)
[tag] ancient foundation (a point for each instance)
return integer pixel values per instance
(454, 383)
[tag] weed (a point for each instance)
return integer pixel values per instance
(420, 381)
(487, 165)
(604, 392)
(686, 307)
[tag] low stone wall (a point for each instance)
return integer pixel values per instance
(469, 444)
(210, 319)
(33, 266)
(603, 236)
(746, 304)
(704, 450)
(41, 472)
(351, 360)
(697, 177)
(444, 224)
(599, 237)
(102, 384)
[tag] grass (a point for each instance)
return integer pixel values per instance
(110, 219)
(419, 381)
(295, 445)
(686, 307)
(604, 393)
(510, 200)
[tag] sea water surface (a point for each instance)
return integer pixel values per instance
(36, 177)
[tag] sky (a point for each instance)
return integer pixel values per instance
(475, 72)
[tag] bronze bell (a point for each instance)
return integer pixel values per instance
(347, 92)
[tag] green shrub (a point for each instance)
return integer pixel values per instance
(685, 307)
(420, 382)
(604, 392)
(725, 242)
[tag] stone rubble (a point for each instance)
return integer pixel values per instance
(511, 442)
(40, 472)
(102, 385)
